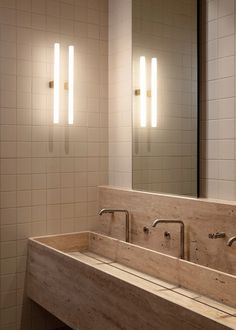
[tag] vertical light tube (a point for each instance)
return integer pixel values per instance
(143, 92)
(56, 106)
(154, 92)
(71, 86)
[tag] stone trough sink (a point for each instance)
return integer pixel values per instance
(91, 281)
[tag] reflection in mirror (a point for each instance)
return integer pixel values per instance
(165, 101)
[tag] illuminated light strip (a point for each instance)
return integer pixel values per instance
(71, 86)
(56, 106)
(143, 92)
(154, 107)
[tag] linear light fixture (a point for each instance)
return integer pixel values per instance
(143, 93)
(56, 84)
(154, 105)
(71, 86)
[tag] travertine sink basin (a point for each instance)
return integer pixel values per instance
(91, 281)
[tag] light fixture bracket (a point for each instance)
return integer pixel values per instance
(137, 93)
(51, 84)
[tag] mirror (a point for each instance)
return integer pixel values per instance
(165, 98)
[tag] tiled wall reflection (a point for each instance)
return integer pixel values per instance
(120, 93)
(49, 173)
(218, 115)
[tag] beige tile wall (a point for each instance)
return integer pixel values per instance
(49, 173)
(120, 82)
(218, 115)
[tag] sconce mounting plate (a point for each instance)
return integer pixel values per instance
(51, 84)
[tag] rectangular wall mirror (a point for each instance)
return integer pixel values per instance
(165, 96)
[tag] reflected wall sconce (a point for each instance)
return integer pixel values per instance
(154, 92)
(143, 88)
(144, 93)
(55, 84)
(71, 86)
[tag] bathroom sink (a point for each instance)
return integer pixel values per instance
(92, 281)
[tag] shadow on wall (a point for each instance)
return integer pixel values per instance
(203, 98)
(41, 319)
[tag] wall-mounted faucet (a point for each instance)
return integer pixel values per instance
(158, 221)
(112, 211)
(231, 241)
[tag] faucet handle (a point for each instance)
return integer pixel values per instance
(146, 230)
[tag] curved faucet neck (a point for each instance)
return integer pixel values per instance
(157, 221)
(112, 211)
(231, 241)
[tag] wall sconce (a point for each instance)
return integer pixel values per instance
(55, 84)
(144, 93)
(71, 86)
